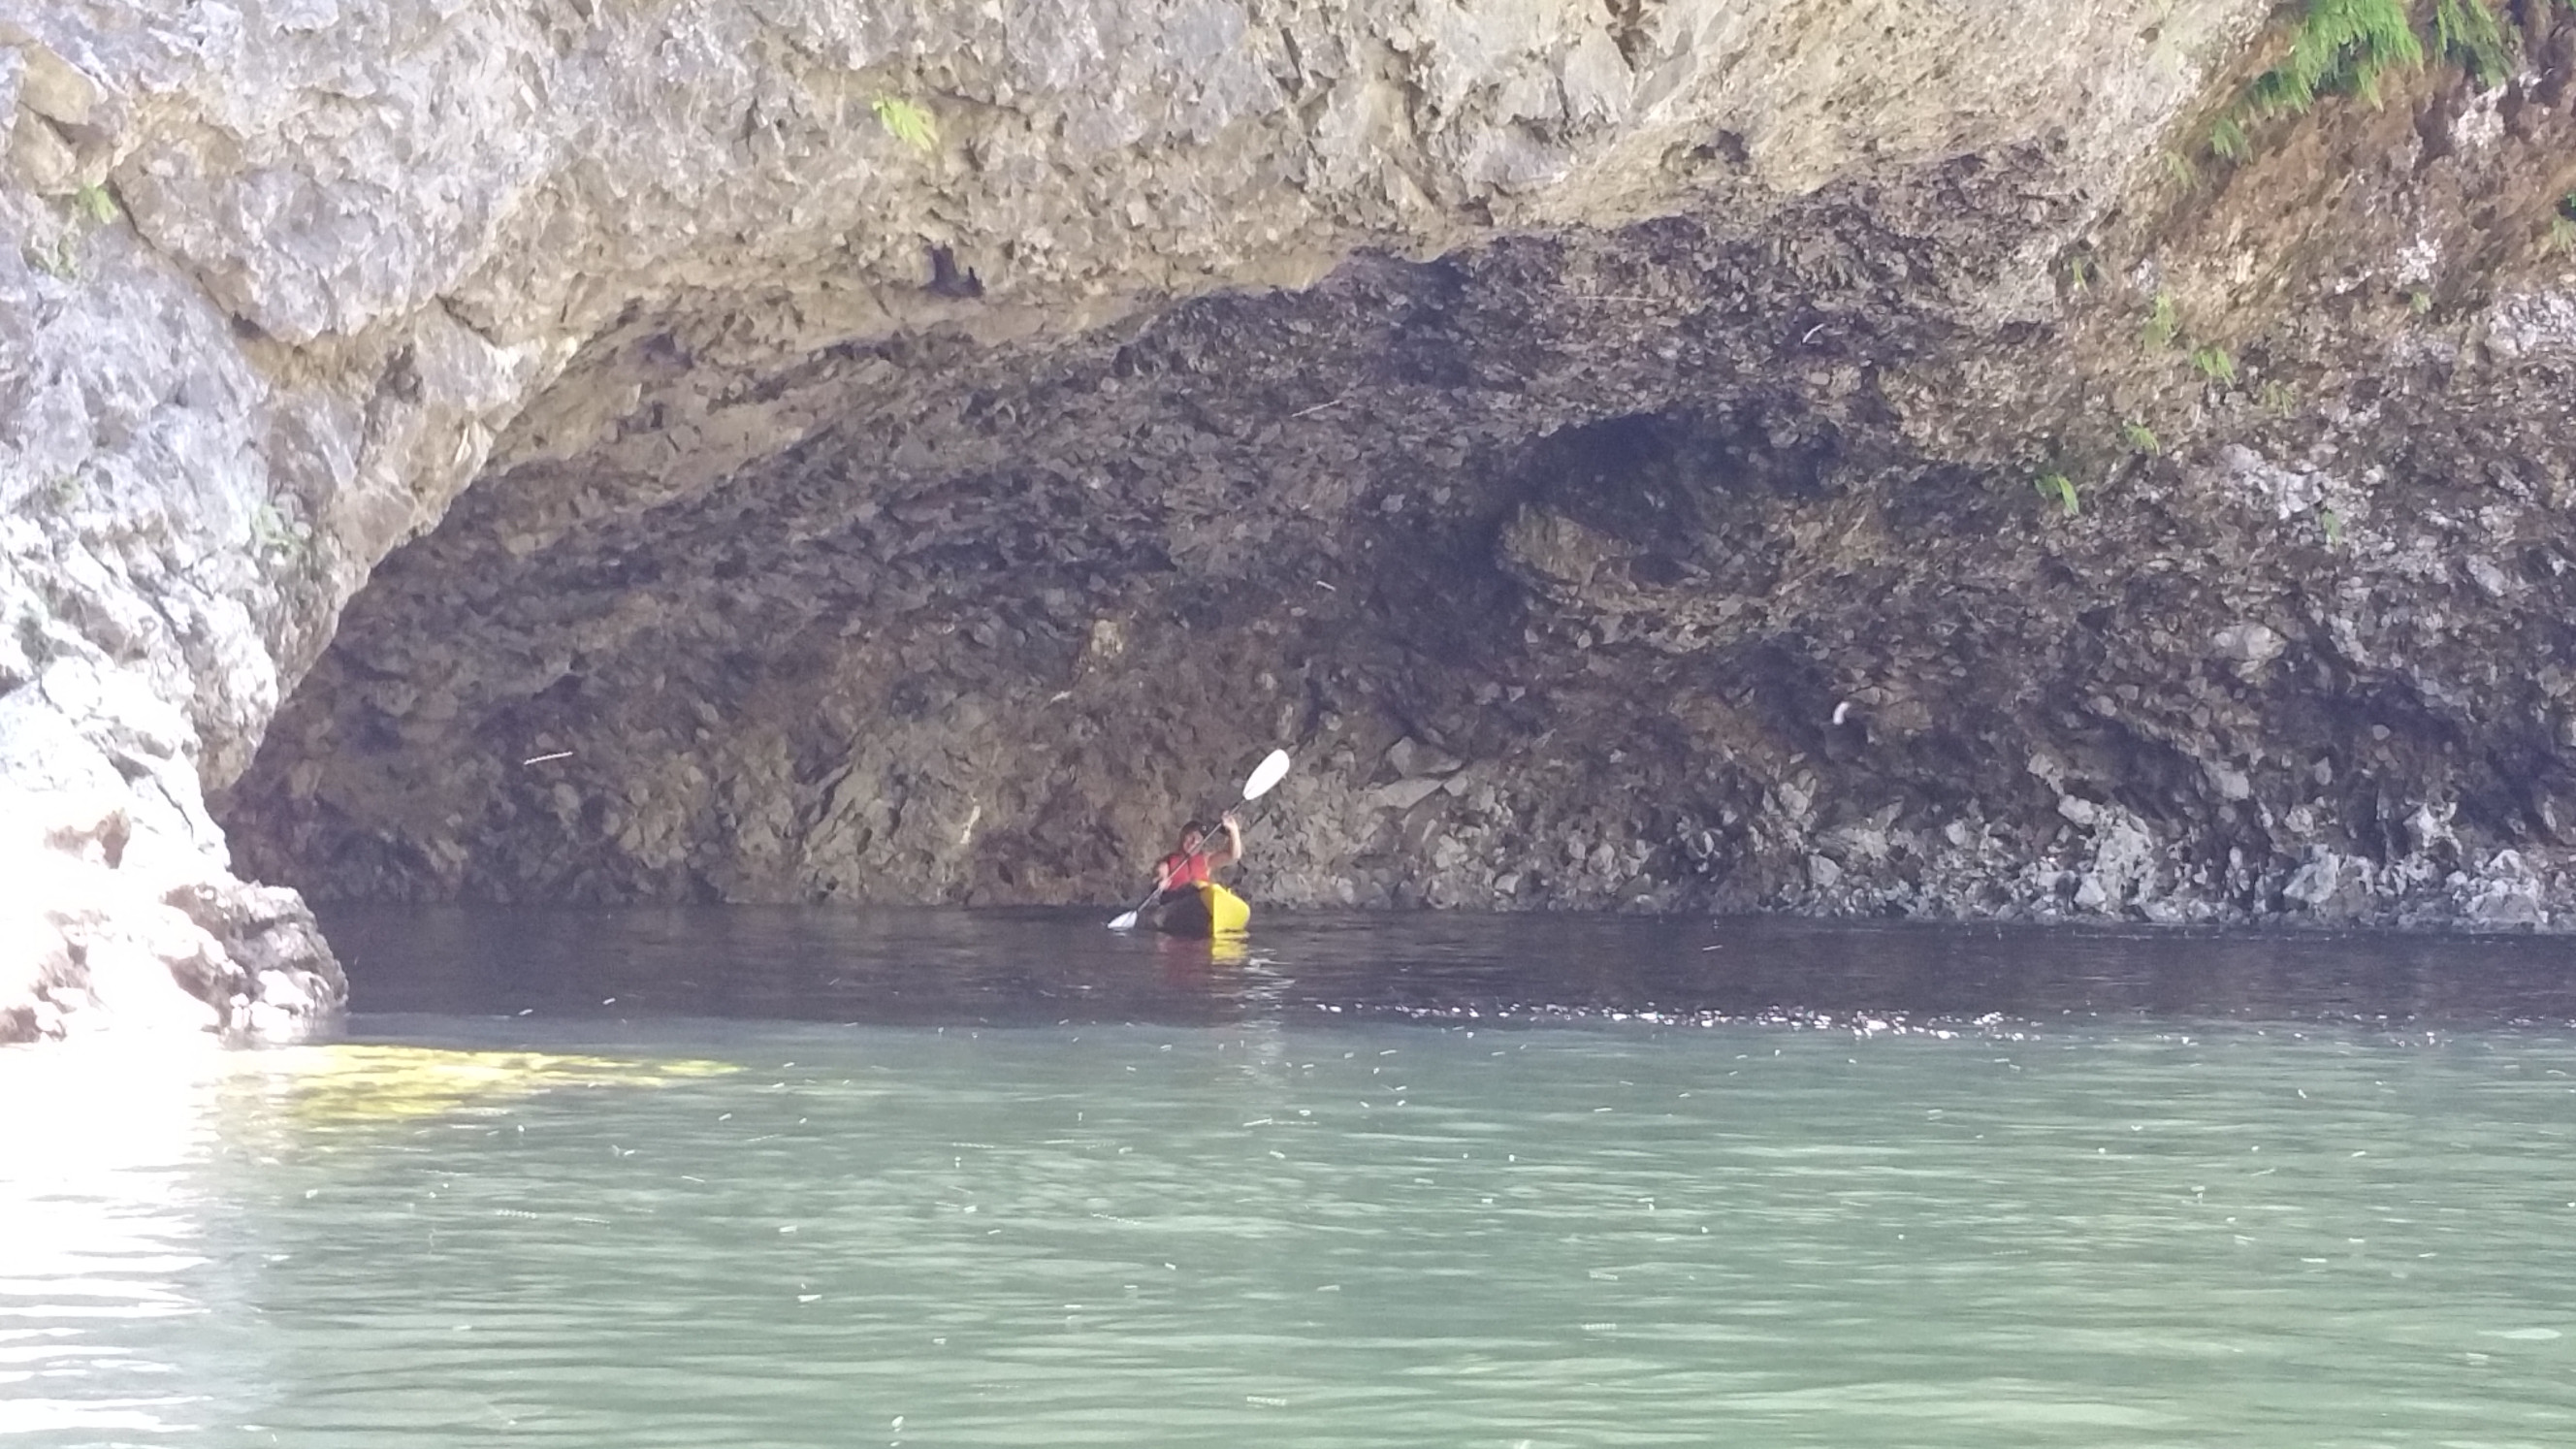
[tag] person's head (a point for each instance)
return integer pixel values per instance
(1192, 836)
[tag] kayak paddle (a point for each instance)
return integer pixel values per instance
(1273, 767)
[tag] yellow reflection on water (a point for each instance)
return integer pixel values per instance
(345, 1084)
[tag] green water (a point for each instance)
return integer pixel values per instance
(1282, 1233)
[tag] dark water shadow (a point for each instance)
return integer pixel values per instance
(1021, 967)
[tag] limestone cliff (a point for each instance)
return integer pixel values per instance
(1836, 455)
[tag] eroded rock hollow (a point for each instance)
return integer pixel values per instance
(1853, 458)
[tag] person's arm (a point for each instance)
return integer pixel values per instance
(1233, 842)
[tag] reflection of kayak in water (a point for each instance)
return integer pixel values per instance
(1202, 911)
(1186, 961)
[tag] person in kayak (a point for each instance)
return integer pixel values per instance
(1190, 865)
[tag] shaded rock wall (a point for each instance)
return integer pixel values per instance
(1599, 440)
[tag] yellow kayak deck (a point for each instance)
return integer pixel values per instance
(1205, 911)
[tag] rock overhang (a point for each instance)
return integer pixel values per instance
(1209, 379)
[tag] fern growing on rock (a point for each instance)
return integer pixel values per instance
(2343, 46)
(2467, 32)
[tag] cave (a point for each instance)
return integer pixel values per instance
(825, 457)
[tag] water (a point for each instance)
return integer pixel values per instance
(951, 1180)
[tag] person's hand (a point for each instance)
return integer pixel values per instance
(1229, 821)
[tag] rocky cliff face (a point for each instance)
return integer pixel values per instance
(1809, 456)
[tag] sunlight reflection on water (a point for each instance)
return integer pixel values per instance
(99, 1222)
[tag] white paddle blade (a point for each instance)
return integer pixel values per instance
(1266, 774)
(1126, 922)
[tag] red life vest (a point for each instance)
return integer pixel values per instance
(1184, 870)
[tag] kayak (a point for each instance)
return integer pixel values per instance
(1206, 910)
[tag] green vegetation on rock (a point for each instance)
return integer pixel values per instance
(2059, 489)
(2343, 47)
(278, 536)
(94, 200)
(906, 122)
(2468, 33)
(2164, 322)
(59, 260)
(2227, 139)
(92, 207)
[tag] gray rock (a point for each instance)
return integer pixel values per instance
(2317, 881)
(2249, 642)
(1411, 759)
(2490, 579)
(1404, 794)
(2508, 903)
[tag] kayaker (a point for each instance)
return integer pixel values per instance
(1189, 865)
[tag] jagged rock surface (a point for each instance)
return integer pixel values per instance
(1599, 440)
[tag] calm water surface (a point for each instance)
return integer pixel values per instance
(790, 1178)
